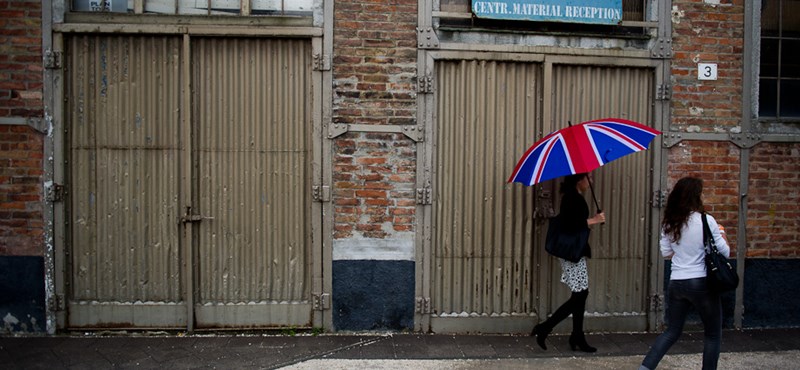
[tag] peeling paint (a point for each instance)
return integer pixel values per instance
(677, 14)
(693, 128)
(695, 111)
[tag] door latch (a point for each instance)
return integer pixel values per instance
(189, 217)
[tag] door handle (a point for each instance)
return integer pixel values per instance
(189, 217)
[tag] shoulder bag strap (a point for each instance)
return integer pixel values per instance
(708, 238)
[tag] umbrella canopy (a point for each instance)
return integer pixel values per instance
(581, 148)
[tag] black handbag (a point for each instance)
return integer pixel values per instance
(567, 245)
(720, 275)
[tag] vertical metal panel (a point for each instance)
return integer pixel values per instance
(488, 113)
(252, 149)
(618, 276)
(123, 129)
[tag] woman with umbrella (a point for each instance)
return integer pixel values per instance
(574, 218)
(573, 152)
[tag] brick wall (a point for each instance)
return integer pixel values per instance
(20, 59)
(773, 202)
(703, 32)
(374, 83)
(708, 33)
(21, 148)
(720, 179)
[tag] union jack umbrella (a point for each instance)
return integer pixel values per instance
(581, 148)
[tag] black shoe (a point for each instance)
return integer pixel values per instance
(541, 334)
(579, 341)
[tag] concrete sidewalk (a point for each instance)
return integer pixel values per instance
(748, 349)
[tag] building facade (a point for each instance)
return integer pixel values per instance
(342, 164)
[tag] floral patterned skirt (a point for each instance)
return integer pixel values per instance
(575, 275)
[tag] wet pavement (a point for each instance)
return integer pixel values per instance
(741, 349)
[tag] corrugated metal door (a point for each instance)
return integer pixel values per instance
(246, 201)
(618, 272)
(483, 259)
(253, 118)
(489, 269)
(124, 154)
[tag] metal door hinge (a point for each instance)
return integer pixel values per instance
(655, 303)
(322, 301)
(425, 83)
(54, 192)
(424, 196)
(659, 199)
(663, 92)
(423, 305)
(321, 193)
(57, 302)
(322, 62)
(52, 59)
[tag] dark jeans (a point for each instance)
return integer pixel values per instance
(684, 294)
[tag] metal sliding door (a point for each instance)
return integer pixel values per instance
(489, 270)
(177, 197)
(483, 258)
(252, 154)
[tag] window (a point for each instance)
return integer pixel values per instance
(779, 74)
(197, 7)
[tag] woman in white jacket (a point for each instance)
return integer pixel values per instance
(682, 241)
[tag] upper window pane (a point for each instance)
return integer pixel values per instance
(770, 17)
(790, 16)
(779, 66)
(198, 7)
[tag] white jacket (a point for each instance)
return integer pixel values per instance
(688, 254)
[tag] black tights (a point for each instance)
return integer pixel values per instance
(575, 305)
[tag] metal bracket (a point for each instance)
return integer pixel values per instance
(54, 192)
(36, 123)
(52, 59)
(322, 62)
(662, 49)
(424, 196)
(664, 92)
(671, 139)
(425, 83)
(427, 39)
(745, 141)
(423, 305)
(416, 133)
(321, 301)
(337, 129)
(321, 193)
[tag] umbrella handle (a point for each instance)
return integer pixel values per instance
(596, 205)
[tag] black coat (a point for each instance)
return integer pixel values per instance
(574, 214)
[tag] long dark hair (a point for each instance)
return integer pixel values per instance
(682, 201)
(571, 181)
